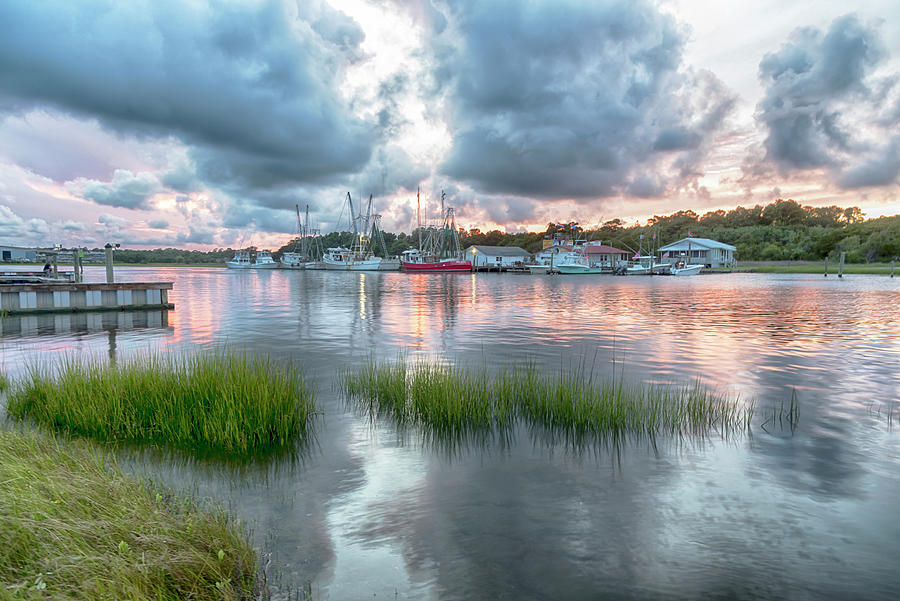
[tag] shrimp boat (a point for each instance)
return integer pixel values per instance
(298, 260)
(264, 260)
(359, 257)
(440, 252)
(240, 260)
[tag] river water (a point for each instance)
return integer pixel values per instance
(367, 511)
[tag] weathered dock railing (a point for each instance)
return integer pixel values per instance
(21, 298)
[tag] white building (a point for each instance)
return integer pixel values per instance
(501, 257)
(699, 251)
(18, 255)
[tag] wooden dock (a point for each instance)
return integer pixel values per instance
(57, 297)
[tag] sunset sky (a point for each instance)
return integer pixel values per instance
(202, 124)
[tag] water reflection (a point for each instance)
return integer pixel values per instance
(529, 514)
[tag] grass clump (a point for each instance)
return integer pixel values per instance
(73, 526)
(449, 398)
(228, 403)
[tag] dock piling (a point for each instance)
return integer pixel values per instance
(110, 278)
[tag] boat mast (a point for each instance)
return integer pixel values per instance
(418, 219)
(352, 217)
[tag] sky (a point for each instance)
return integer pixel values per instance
(196, 124)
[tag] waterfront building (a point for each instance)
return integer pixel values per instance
(699, 251)
(497, 257)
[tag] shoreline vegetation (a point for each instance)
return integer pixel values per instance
(226, 403)
(782, 230)
(73, 526)
(448, 399)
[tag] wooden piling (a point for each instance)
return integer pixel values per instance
(110, 278)
(826, 267)
(841, 265)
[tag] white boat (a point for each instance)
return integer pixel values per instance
(300, 260)
(390, 264)
(345, 259)
(682, 269)
(538, 268)
(645, 264)
(240, 260)
(577, 262)
(264, 260)
(293, 261)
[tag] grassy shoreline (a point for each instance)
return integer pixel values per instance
(450, 399)
(73, 526)
(816, 267)
(224, 402)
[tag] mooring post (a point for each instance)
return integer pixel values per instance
(841, 265)
(76, 264)
(109, 264)
(892, 266)
(826, 267)
(55, 266)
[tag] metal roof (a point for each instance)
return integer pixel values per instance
(500, 251)
(695, 244)
(604, 249)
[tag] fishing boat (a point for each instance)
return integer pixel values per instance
(414, 261)
(360, 256)
(577, 263)
(348, 259)
(264, 260)
(293, 261)
(240, 260)
(298, 260)
(440, 251)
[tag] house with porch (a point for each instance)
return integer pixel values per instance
(699, 251)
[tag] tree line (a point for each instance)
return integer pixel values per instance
(781, 230)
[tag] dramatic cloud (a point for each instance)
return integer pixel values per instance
(158, 224)
(252, 88)
(125, 190)
(11, 225)
(14, 226)
(820, 100)
(574, 99)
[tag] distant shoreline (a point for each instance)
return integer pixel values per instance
(741, 267)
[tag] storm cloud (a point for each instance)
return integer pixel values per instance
(252, 89)
(822, 102)
(125, 190)
(583, 100)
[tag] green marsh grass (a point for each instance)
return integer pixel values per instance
(450, 399)
(229, 403)
(73, 526)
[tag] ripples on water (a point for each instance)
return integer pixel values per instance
(369, 510)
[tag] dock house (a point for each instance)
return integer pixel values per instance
(699, 251)
(603, 254)
(497, 257)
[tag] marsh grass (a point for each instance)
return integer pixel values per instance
(73, 526)
(225, 402)
(451, 399)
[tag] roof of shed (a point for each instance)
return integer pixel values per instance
(696, 243)
(501, 251)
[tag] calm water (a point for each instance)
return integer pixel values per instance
(370, 512)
